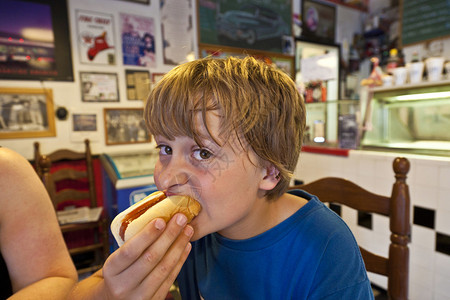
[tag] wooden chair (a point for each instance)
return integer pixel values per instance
(69, 178)
(396, 207)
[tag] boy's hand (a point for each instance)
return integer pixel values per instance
(146, 266)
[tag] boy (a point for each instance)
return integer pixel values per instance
(229, 133)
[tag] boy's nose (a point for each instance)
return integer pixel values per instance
(174, 174)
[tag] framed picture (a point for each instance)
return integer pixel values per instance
(84, 122)
(84, 126)
(318, 21)
(96, 43)
(177, 33)
(26, 113)
(138, 40)
(138, 84)
(283, 62)
(125, 126)
(40, 54)
(139, 1)
(157, 77)
(236, 23)
(99, 87)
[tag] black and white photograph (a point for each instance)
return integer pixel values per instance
(26, 113)
(125, 126)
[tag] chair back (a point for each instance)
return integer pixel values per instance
(60, 182)
(68, 177)
(396, 207)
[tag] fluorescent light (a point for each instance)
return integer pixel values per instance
(319, 139)
(423, 96)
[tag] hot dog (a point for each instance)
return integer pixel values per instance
(156, 205)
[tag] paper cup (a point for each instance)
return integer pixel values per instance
(400, 75)
(387, 80)
(416, 72)
(434, 66)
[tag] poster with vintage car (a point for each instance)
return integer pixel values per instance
(263, 26)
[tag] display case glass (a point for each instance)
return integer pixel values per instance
(332, 124)
(128, 165)
(411, 118)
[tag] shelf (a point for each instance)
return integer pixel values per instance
(410, 86)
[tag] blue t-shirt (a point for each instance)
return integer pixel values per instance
(310, 255)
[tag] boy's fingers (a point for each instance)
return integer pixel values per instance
(129, 252)
(167, 270)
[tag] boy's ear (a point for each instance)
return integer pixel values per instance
(270, 179)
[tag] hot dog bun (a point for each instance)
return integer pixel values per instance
(156, 205)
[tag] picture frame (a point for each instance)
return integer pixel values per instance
(138, 40)
(285, 63)
(138, 84)
(146, 2)
(26, 113)
(125, 126)
(95, 37)
(43, 54)
(84, 125)
(241, 24)
(99, 87)
(84, 122)
(157, 77)
(318, 21)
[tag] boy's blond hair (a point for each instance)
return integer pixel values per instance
(256, 102)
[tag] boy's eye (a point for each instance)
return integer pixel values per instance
(164, 150)
(202, 154)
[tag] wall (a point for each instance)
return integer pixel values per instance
(68, 94)
(428, 181)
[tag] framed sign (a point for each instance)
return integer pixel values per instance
(263, 26)
(138, 40)
(96, 43)
(125, 126)
(43, 53)
(138, 84)
(283, 62)
(318, 21)
(84, 126)
(157, 77)
(26, 113)
(139, 1)
(99, 87)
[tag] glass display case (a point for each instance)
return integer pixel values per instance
(127, 178)
(410, 118)
(332, 124)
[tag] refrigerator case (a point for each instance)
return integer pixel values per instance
(127, 179)
(411, 118)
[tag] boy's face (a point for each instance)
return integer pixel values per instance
(228, 182)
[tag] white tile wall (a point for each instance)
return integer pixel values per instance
(429, 182)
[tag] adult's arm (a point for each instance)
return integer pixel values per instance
(31, 241)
